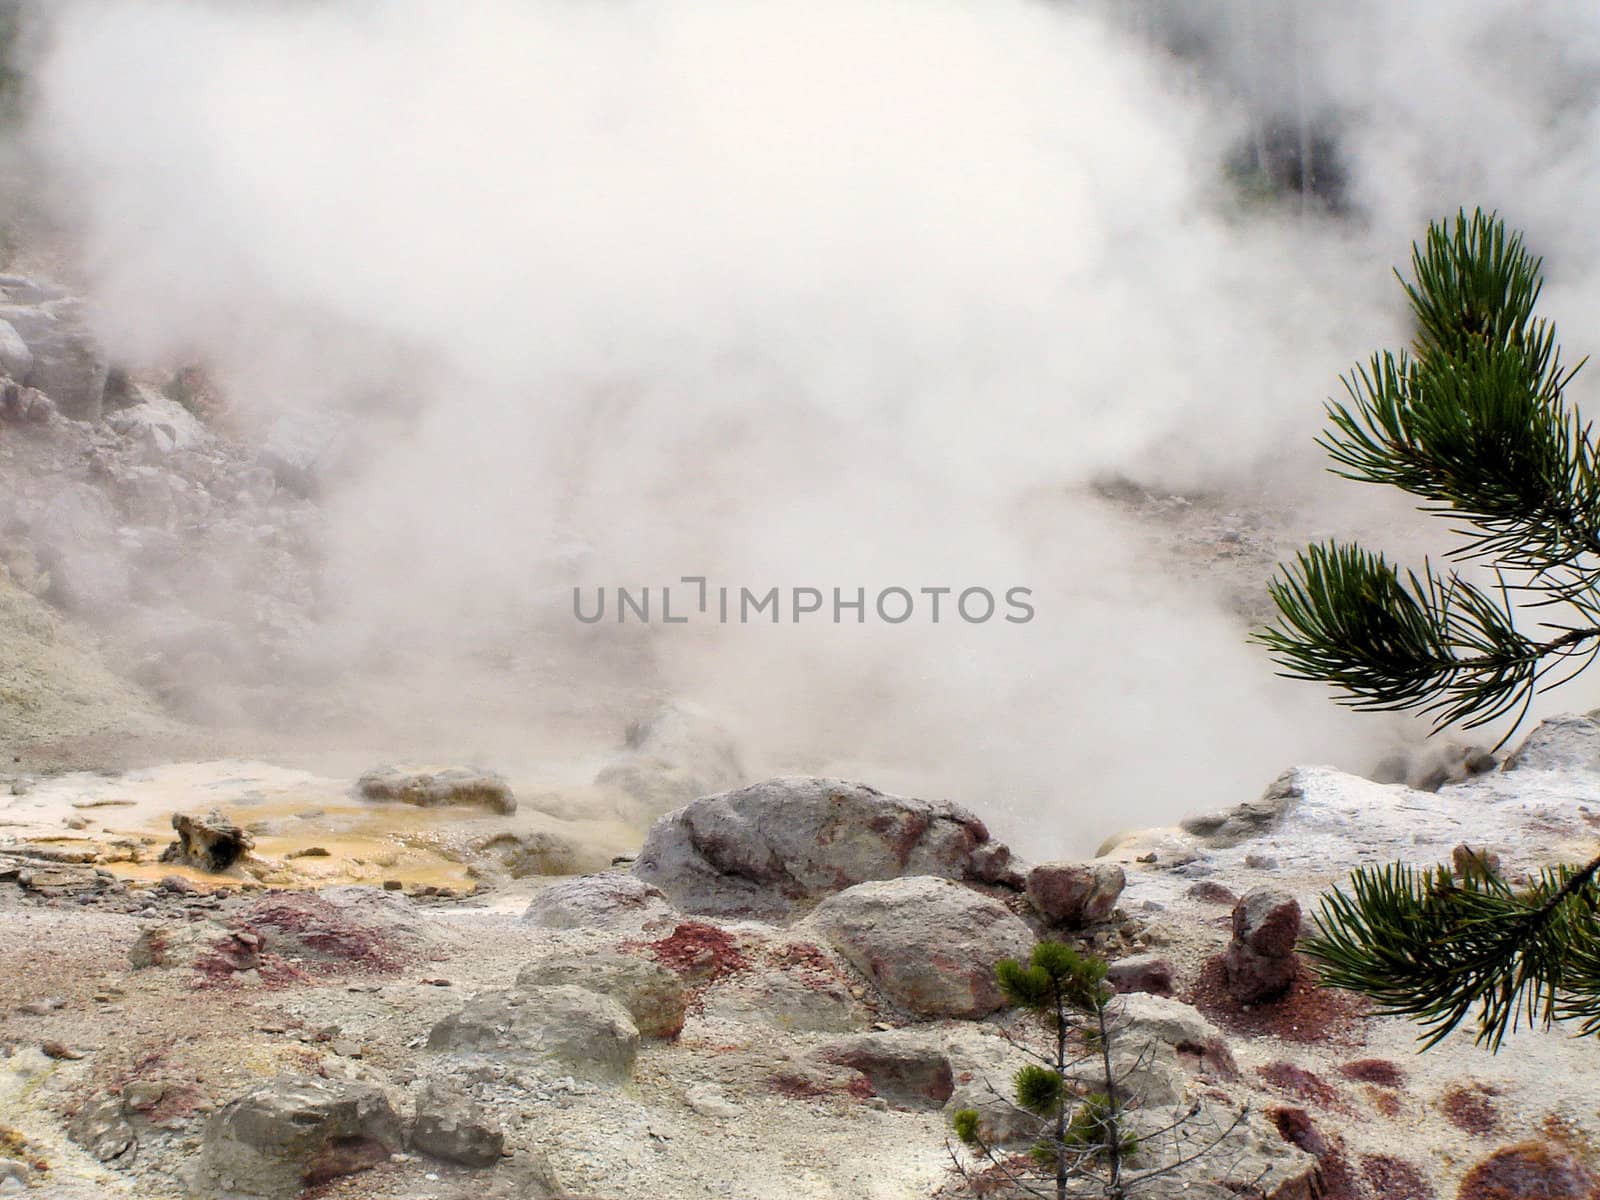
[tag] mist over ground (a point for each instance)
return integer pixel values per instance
(861, 294)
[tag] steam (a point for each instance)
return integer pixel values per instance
(855, 293)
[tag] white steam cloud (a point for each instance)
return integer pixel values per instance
(853, 293)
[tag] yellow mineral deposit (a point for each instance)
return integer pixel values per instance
(309, 830)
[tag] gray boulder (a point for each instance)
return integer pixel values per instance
(614, 901)
(1146, 1018)
(101, 1127)
(770, 848)
(1565, 743)
(430, 789)
(654, 996)
(676, 755)
(294, 1133)
(15, 356)
(1231, 826)
(450, 1126)
(568, 1029)
(67, 364)
(159, 424)
(929, 944)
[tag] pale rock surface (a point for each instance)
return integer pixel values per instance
(450, 1126)
(564, 1029)
(654, 996)
(929, 944)
(769, 849)
(614, 901)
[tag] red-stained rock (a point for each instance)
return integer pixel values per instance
(1470, 1109)
(1260, 962)
(1142, 973)
(1530, 1171)
(1392, 1178)
(1075, 894)
(1267, 922)
(1377, 1071)
(1209, 891)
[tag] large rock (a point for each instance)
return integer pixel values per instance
(101, 1127)
(1564, 743)
(654, 996)
(929, 944)
(213, 951)
(67, 364)
(448, 1125)
(568, 1029)
(676, 755)
(1260, 963)
(430, 789)
(1142, 973)
(1143, 1018)
(210, 843)
(294, 1133)
(158, 423)
(766, 849)
(1537, 1170)
(15, 357)
(905, 1068)
(1230, 826)
(1075, 894)
(614, 901)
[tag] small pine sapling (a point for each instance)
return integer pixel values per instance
(1076, 1091)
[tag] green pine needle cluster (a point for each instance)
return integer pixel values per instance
(1475, 422)
(1438, 948)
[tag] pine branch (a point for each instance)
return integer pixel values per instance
(1429, 947)
(1431, 643)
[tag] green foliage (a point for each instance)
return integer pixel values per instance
(1473, 421)
(965, 1123)
(1086, 1135)
(1039, 1090)
(1055, 971)
(1433, 947)
(1093, 1128)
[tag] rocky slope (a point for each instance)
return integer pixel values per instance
(786, 996)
